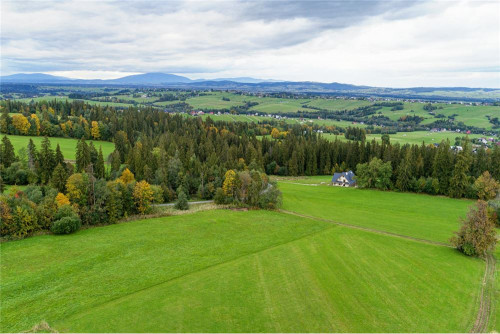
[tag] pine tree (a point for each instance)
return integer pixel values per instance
(59, 178)
(59, 158)
(82, 155)
(47, 159)
(7, 155)
(32, 155)
(404, 171)
(442, 166)
(99, 167)
(460, 180)
(115, 161)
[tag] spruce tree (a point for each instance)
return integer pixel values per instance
(460, 180)
(47, 159)
(7, 154)
(32, 155)
(99, 166)
(403, 181)
(59, 178)
(82, 155)
(59, 158)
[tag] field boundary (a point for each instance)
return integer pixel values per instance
(486, 297)
(368, 229)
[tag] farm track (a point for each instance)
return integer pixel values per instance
(486, 298)
(487, 286)
(368, 229)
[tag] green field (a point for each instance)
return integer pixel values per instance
(416, 137)
(470, 115)
(226, 271)
(68, 145)
(428, 217)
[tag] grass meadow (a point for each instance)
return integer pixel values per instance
(415, 215)
(68, 145)
(227, 271)
(416, 137)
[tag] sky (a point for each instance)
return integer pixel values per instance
(390, 43)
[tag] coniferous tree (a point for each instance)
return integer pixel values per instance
(59, 178)
(32, 156)
(115, 161)
(443, 166)
(7, 154)
(99, 166)
(404, 179)
(460, 180)
(59, 157)
(46, 161)
(82, 155)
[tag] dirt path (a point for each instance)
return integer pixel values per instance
(486, 298)
(437, 243)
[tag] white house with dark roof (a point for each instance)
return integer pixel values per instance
(345, 179)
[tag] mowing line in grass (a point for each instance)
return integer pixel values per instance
(366, 228)
(215, 265)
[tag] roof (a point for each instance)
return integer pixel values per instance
(348, 175)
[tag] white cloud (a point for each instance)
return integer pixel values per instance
(430, 44)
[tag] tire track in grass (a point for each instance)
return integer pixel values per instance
(486, 297)
(488, 283)
(206, 268)
(369, 229)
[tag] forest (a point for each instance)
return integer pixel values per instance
(162, 157)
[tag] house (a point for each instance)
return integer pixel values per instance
(345, 179)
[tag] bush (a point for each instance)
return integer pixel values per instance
(477, 235)
(271, 198)
(219, 197)
(66, 225)
(65, 211)
(182, 202)
(34, 194)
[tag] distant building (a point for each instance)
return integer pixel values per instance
(345, 179)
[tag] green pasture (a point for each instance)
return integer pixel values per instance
(68, 145)
(416, 137)
(415, 215)
(226, 271)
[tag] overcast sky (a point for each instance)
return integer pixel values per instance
(381, 43)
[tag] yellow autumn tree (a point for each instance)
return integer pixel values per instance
(21, 123)
(230, 183)
(37, 123)
(61, 200)
(143, 196)
(127, 176)
(275, 133)
(95, 130)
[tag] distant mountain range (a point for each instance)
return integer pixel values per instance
(147, 79)
(252, 84)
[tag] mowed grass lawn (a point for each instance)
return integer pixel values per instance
(68, 145)
(226, 271)
(415, 215)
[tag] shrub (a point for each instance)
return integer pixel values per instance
(477, 235)
(34, 194)
(65, 211)
(219, 197)
(66, 225)
(182, 202)
(271, 198)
